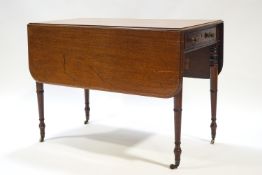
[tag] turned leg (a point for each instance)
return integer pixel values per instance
(213, 91)
(40, 99)
(177, 119)
(87, 108)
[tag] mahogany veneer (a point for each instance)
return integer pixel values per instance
(135, 56)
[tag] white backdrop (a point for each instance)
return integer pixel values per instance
(240, 83)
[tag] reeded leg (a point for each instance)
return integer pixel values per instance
(213, 91)
(177, 119)
(40, 99)
(87, 108)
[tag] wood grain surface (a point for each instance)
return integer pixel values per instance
(134, 61)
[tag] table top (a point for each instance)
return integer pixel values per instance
(134, 23)
(134, 56)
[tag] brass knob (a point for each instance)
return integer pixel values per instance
(206, 35)
(209, 34)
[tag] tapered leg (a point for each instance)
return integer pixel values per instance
(40, 99)
(87, 108)
(213, 91)
(177, 119)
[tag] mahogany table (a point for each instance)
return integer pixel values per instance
(136, 56)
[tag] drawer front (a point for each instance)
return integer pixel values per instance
(200, 38)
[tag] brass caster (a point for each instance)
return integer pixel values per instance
(41, 140)
(174, 166)
(86, 122)
(212, 141)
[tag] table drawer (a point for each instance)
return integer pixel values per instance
(200, 38)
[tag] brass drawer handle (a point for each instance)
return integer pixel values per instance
(209, 35)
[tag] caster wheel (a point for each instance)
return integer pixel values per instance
(173, 166)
